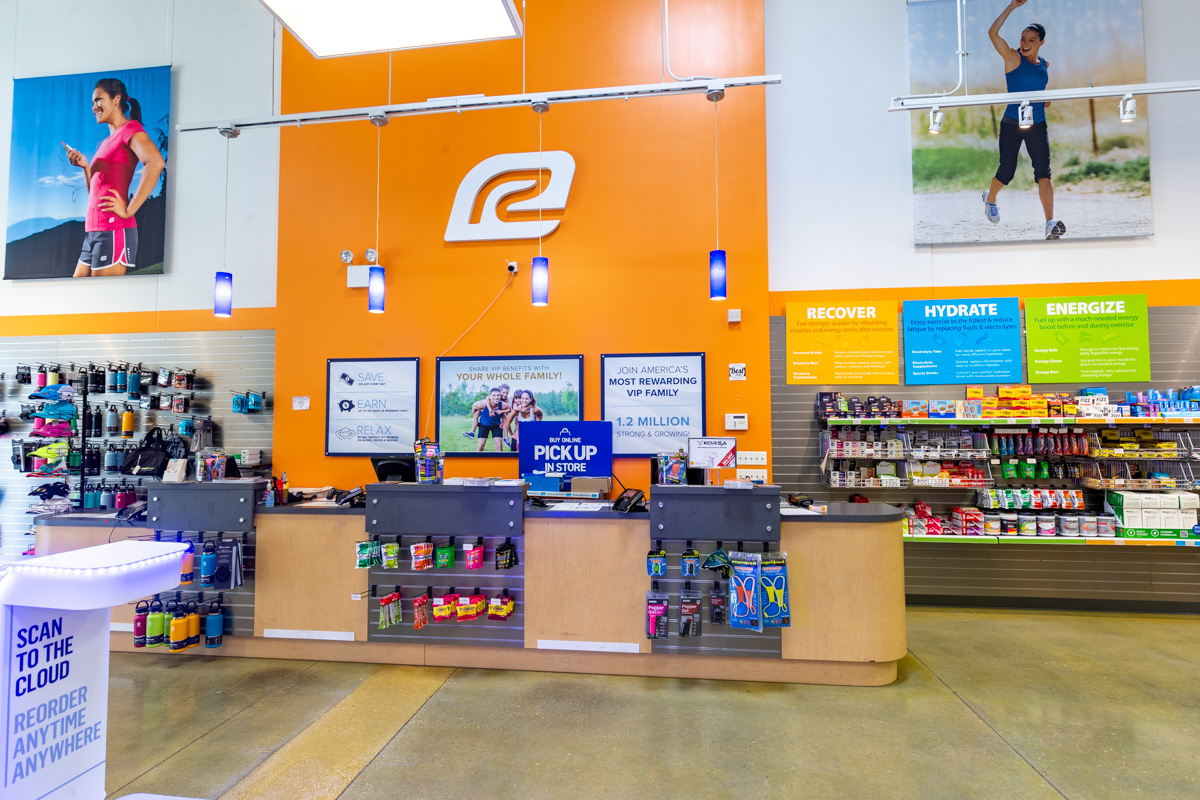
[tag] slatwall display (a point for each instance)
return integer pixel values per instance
(225, 361)
(481, 632)
(715, 640)
(237, 603)
(1156, 574)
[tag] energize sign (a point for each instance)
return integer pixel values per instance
(571, 449)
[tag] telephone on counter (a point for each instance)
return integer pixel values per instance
(630, 500)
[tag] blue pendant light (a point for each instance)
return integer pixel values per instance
(716, 275)
(541, 281)
(376, 289)
(223, 295)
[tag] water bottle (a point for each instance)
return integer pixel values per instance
(140, 614)
(112, 421)
(214, 625)
(121, 377)
(193, 625)
(127, 423)
(40, 380)
(111, 380)
(113, 459)
(177, 637)
(156, 624)
(108, 499)
(208, 564)
(134, 382)
(189, 562)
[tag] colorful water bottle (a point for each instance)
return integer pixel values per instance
(140, 613)
(193, 624)
(178, 636)
(40, 380)
(52, 377)
(112, 421)
(214, 625)
(91, 496)
(108, 499)
(122, 375)
(111, 380)
(134, 382)
(113, 459)
(127, 423)
(208, 564)
(189, 560)
(156, 624)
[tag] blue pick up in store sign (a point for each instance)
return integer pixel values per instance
(573, 449)
(962, 341)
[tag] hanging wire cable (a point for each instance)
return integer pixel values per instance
(225, 233)
(717, 171)
(665, 17)
(524, 34)
(539, 186)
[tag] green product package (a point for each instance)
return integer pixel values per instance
(1026, 470)
(391, 556)
(445, 556)
(363, 553)
(1008, 470)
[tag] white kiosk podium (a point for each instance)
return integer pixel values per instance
(54, 625)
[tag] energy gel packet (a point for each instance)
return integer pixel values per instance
(776, 608)
(422, 555)
(506, 555)
(444, 608)
(391, 556)
(745, 609)
(420, 611)
(363, 552)
(501, 607)
(473, 553)
(445, 556)
(466, 609)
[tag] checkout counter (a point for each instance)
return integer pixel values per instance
(580, 586)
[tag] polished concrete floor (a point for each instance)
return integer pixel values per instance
(989, 704)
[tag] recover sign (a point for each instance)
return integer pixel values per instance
(831, 343)
(571, 449)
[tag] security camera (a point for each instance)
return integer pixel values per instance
(512, 267)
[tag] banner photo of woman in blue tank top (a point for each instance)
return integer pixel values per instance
(1071, 169)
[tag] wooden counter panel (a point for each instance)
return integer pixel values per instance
(846, 591)
(586, 581)
(304, 574)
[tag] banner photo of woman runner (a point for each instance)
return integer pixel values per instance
(483, 401)
(1069, 169)
(87, 175)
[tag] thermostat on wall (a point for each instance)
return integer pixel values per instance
(737, 422)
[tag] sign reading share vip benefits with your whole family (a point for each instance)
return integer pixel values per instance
(56, 702)
(1075, 339)
(654, 401)
(962, 341)
(840, 343)
(371, 408)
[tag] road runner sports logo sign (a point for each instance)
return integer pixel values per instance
(490, 227)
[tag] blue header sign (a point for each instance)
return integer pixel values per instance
(574, 449)
(962, 341)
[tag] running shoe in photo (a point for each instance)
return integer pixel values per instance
(990, 210)
(1055, 229)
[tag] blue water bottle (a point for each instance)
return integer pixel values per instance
(214, 625)
(134, 382)
(208, 564)
(122, 375)
(108, 499)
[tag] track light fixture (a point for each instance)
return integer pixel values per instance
(1128, 108)
(936, 117)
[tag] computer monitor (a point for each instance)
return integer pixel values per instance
(695, 475)
(395, 468)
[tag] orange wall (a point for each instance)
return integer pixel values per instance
(628, 264)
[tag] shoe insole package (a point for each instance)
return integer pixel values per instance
(776, 610)
(744, 608)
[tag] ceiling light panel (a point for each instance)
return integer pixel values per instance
(352, 27)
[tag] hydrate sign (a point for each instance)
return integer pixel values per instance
(571, 449)
(962, 341)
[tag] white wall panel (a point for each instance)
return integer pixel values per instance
(840, 180)
(224, 57)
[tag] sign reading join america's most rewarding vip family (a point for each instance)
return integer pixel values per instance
(1077, 339)
(655, 401)
(569, 449)
(56, 702)
(832, 343)
(962, 341)
(371, 406)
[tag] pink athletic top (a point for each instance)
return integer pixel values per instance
(112, 168)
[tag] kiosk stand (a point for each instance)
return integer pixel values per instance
(54, 631)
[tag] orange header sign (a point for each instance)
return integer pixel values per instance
(843, 342)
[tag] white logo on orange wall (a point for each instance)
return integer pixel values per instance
(490, 227)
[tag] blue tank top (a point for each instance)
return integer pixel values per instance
(1028, 77)
(490, 419)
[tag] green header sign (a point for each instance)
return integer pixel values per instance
(1084, 339)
